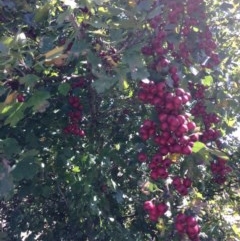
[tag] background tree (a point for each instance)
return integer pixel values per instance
(116, 120)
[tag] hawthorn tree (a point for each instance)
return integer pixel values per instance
(116, 120)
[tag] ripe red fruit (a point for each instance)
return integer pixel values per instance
(180, 227)
(142, 157)
(182, 190)
(148, 206)
(180, 92)
(194, 137)
(191, 221)
(142, 96)
(173, 70)
(193, 231)
(186, 150)
(162, 173)
(148, 124)
(162, 208)
(20, 98)
(166, 162)
(183, 129)
(154, 174)
(164, 150)
(177, 182)
(162, 117)
(157, 158)
(187, 182)
(182, 119)
(191, 126)
(181, 218)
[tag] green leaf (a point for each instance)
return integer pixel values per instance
(10, 147)
(30, 153)
(3, 48)
(198, 146)
(144, 5)
(25, 169)
(64, 88)
(136, 64)
(38, 98)
(236, 230)
(29, 80)
(76, 169)
(16, 115)
(155, 12)
(100, 2)
(6, 109)
(46, 44)
(104, 83)
(42, 13)
(207, 81)
(6, 183)
(2, 90)
(219, 154)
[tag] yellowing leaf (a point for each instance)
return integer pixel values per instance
(11, 98)
(125, 85)
(117, 146)
(236, 230)
(132, 3)
(102, 10)
(6, 109)
(198, 146)
(76, 169)
(54, 53)
(231, 122)
(174, 157)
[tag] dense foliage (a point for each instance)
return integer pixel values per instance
(117, 120)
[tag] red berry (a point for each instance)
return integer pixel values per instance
(20, 98)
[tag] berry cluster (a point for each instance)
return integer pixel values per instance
(199, 110)
(159, 166)
(219, 170)
(182, 185)
(174, 132)
(75, 114)
(191, 15)
(187, 224)
(155, 211)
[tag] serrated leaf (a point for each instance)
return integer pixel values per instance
(25, 169)
(6, 184)
(64, 88)
(100, 2)
(2, 90)
(155, 12)
(207, 81)
(198, 146)
(76, 169)
(6, 109)
(10, 147)
(219, 154)
(144, 5)
(38, 98)
(29, 80)
(16, 115)
(103, 84)
(30, 153)
(236, 230)
(42, 13)
(3, 48)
